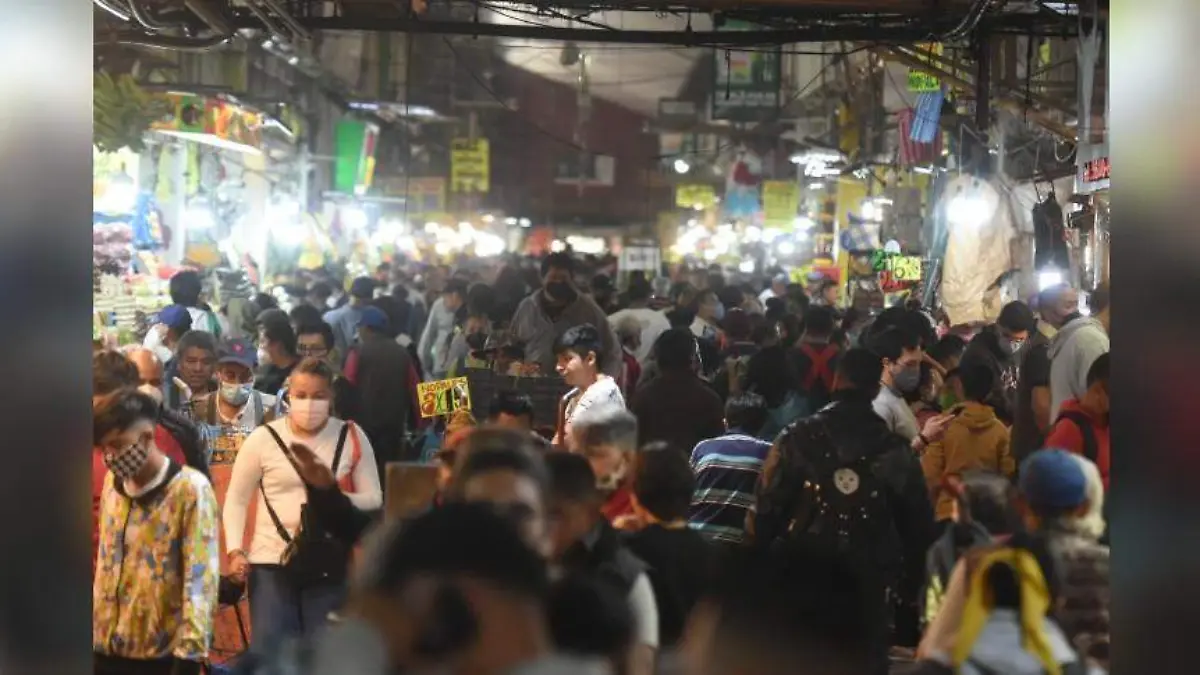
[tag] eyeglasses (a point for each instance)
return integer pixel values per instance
(312, 351)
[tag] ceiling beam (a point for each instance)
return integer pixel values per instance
(854, 28)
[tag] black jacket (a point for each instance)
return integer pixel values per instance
(603, 556)
(188, 436)
(849, 433)
(985, 350)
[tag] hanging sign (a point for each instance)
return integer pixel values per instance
(695, 196)
(746, 83)
(919, 81)
(469, 166)
(780, 199)
(444, 396)
(354, 164)
(1093, 168)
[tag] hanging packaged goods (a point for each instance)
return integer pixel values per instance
(469, 166)
(780, 199)
(213, 121)
(746, 83)
(444, 396)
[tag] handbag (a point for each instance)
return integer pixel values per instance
(313, 557)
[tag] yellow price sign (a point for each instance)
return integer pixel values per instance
(443, 397)
(905, 268)
(695, 196)
(780, 199)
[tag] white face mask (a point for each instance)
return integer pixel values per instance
(309, 413)
(153, 392)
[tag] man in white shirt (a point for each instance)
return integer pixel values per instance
(777, 289)
(652, 323)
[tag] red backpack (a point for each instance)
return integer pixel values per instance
(820, 369)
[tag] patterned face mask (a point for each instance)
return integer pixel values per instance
(127, 462)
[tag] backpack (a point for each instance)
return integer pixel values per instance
(845, 500)
(1091, 447)
(818, 381)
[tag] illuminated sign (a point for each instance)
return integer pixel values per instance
(1095, 170)
(443, 396)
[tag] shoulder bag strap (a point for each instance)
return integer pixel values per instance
(341, 444)
(1090, 445)
(283, 533)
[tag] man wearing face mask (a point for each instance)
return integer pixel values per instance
(155, 586)
(709, 314)
(901, 353)
(999, 348)
(174, 435)
(229, 414)
(542, 318)
(608, 439)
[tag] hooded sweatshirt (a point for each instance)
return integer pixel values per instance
(1072, 352)
(986, 350)
(1067, 435)
(976, 439)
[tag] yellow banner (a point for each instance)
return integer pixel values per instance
(693, 196)
(444, 396)
(780, 200)
(469, 166)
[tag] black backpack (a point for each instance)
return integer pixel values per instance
(845, 505)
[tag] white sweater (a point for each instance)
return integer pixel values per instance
(261, 459)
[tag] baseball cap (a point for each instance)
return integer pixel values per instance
(363, 288)
(374, 318)
(237, 350)
(1053, 480)
(176, 317)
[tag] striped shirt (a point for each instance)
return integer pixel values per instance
(727, 470)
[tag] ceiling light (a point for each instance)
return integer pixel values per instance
(681, 166)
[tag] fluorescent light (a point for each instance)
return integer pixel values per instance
(1048, 278)
(787, 247)
(967, 210)
(681, 166)
(746, 266)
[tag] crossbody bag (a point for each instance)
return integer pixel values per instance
(312, 557)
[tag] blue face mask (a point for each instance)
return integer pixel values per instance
(236, 394)
(719, 312)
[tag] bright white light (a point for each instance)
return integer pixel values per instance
(753, 234)
(557, 246)
(681, 166)
(817, 185)
(927, 170)
(871, 212)
(697, 207)
(407, 244)
(692, 222)
(464, 226)
(431, 227)
(289, 232)
(710, 255)
(746, 267)
(510, 221)
(120, 196)
(525, 222)
(488, 245)
(294, 60)
(771, 234)
(441, 248)
(802, 223)
(965, 210)
(787, 247)
(586, 245)
(1048, 278)
(801, 236)
(354, 217)
(199, 218)
(489, 218)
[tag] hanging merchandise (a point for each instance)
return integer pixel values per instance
(780, 200)
(697, 197)
(742, 182)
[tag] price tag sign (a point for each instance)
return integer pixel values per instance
(905, 268)
(443, 396)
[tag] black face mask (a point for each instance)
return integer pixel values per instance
(476, 341)
(561, 291)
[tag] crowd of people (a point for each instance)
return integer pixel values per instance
(742, 476)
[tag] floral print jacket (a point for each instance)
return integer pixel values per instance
(157, 571)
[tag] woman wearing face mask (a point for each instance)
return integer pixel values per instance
(265, 469)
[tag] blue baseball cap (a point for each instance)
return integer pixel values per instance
(1053, 480)
(236, 350)
(373, 318)
(177, 317)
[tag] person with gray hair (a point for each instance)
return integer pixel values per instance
(608, 439)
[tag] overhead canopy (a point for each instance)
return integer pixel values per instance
(634, 76)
